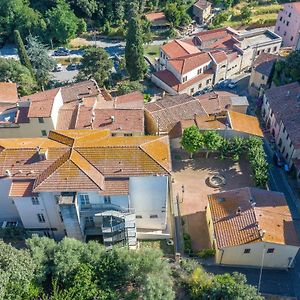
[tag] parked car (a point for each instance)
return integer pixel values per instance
(72, 67)
(58, 68)
(61, 52)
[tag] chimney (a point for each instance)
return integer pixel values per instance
(262, 233)
(238, 211)
(8, 173)
(42, 153)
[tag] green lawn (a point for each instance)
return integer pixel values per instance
(157, 244)
(151, 51)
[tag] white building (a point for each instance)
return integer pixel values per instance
(209, 57)
(88, 185)
(252, 227)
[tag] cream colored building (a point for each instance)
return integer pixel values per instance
(252, 227)
(202, 11)
(261, 73)
(281, 111)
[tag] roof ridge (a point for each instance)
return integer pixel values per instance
(195, 99)
(148, 142)
(51, 169)
(98, 181)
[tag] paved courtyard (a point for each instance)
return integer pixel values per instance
(193, 174)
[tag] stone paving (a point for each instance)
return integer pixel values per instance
(193, 174)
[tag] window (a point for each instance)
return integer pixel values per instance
(127, 134)
(89, 221)
(41, 218)
(199, 86)
(280, 19)
(199, 71)
(270, 250)
(258, 52)
(107, 200)
(247, 251)
(35, 200)
(292, 38)
(184, 79)
(269, 50)
(153, 216)
(287, 23)
(224, 66)
(275, 49)
(207, 81)
(290, 15)
(65, 232)
(278, 28)
(44, 133)
(47, 234)
(280, 142)
(113, 134)
(284, 33)
(263, 77)
(287, 137)
(291, 144)
(57, 198)
(192, 90)
(287, 156)
(138, 217)
(283, 130)
(41, 120)
(84, 199)
(283, 149)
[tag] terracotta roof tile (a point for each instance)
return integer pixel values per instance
(41, 103)
(218, 56)
(134, 100)
(187, 63)
(116, 186)
(260, 211)
(83, 159)
(178, 48)
(244, 123)
(8, 92)
(21, 188)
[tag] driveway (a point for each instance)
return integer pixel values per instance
(65, 75)
(192, 175)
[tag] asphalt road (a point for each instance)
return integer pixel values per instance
(65, 75)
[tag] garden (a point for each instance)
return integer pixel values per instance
(194, 141)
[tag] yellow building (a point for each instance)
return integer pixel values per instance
(252, 227)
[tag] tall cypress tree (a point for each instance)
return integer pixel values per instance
(134, 51)
(24, 59)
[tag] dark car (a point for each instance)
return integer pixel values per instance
(72, 67)
(61, 52)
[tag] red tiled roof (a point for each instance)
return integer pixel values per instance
(79, 160)
(154, 17)
(21, 188)
(178, 48)
(134, 100)
(189, 62)
(8, 92)
(41, 103)
(260, 211)
(168, 78)
(219, 56)
(212, 34)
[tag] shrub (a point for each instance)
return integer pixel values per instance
(187, 243)
(205, 253)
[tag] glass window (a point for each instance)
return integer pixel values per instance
(127, 134)
(84, 199)
(184, 79)
(247, 251)
(41, 120)
(138, 217)
(41, 218)
(89, 221)
(287, 23)
(107, 200)
(292, 38)
(192, 90)
(44, 133)
(153, 216)
(35, 200)
(270, 250)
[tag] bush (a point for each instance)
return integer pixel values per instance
(187, 243)
(205, 253)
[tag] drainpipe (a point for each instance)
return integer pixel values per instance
(221, 256)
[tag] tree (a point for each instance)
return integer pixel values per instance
(24, 59)
(173, 14)
(95, 64)
(126, 87)
(62, 22)
(192, 140)
(246, 13)
(292, 65)
(134, 51)
(212, 141)
(84, 8)
(12, 70)
(16, 273)
(40, 60)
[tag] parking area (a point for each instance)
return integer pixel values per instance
(190, 177)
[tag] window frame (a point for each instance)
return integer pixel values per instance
(41, 218)
(86, 199)
(35, 200)
(247, 251)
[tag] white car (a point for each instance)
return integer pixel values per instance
(58, 68)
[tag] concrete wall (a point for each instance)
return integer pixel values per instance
(162, 85)
(48, 207)
(8, 210)
(257, 80)
(150, 124)
(281, 258)
(57, 104)
(199, 86)
(288, 25)
(148, 196)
